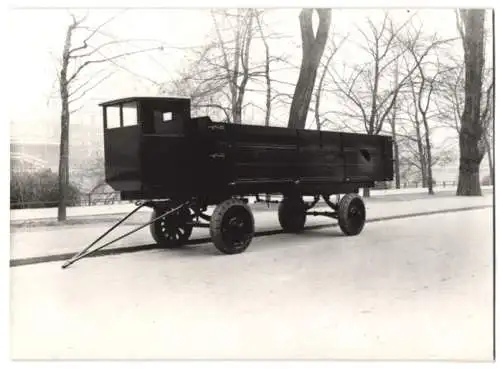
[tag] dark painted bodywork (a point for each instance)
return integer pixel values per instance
(188, 157)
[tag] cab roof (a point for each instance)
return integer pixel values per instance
(157, 100)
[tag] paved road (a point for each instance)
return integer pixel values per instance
(416, 288)
(43, 241)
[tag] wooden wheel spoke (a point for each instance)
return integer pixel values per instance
(172, 231)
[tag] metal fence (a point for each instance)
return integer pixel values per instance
(84, 199)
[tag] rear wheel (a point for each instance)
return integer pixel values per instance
(173, 230)
(232, 226)
(352, 214)
(292, 214)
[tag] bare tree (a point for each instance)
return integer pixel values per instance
(427, 86)
(395, 138)
(471, 29)
(415, 118)
(414, 163)
(218, 79)
(362, 89)
(313, 45)
(267, 68)
(73, 86)
(332, 49)
(225, 71)
(243, 38)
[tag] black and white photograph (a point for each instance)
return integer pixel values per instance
(251, 183)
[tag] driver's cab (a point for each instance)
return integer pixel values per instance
(138, 133)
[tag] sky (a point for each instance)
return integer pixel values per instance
(33, 104)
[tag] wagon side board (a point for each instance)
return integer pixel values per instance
(245, 159)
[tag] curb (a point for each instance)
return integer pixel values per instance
(131, 249)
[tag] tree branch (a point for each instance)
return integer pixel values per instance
(104, 60)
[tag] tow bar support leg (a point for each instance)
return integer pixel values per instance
(85, 252)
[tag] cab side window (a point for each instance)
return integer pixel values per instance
(129, 114)
(112, 117)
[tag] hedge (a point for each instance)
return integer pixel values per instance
(38, 189)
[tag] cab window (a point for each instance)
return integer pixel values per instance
(123, 115)
(130, 114)
(112, 117)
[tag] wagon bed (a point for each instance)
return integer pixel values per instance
(155, 152)
(184, 156)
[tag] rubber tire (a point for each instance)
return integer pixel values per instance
(345, 205)
(292, 214)
(216, 223)
(158, 235)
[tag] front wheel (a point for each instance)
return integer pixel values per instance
(173, 230)
(232, 226)
(351, 214)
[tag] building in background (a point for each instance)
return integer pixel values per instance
(28, 155)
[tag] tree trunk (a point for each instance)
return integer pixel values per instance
(468, 172)
(244, 55)
(63, 180)
(397, 170)
(237, 114)
(421, 155)
(319, 89)
(312, 50)
(470, 128)
(63, 162)
(430, 187)
(302, 97)
(490, 163)
(268, 90)
(267, 72)
(316, 107)
(397, 174)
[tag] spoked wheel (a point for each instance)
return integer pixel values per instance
(292, 214)
(352, 214)
(173, 230)
(232, 226)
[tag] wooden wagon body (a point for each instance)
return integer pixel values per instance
(166, 154)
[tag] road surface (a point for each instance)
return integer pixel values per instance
(414, 288)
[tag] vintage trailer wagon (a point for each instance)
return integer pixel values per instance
(180, 165)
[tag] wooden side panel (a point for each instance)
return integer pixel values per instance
(320, 157)
(262, 153)
(366, 157)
